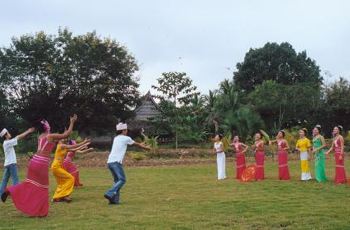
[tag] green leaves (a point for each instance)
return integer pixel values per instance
(53, 76)
(277, 62)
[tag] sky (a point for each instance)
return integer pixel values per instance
(204, 38)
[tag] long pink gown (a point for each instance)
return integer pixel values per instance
(340, 176)
(32, 195)
(283, 170)
(69, 165)
(240, 160)
(260, 161)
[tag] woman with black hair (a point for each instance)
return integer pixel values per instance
(220, 157)
(318, 145)
(303, 145)
(259, 148)
(32, 195)
(240, 150)
(282, 152)
(338, 148)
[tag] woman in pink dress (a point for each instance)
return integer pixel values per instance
(240, 149)
(282, 152)
(259, 149)
(338, 148)
(32, 195)
(71, 167)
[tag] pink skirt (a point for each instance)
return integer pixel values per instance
(283, 169)
(260, 160)
(340, 176)
(240, 165)
(69, 165)
(32, 195)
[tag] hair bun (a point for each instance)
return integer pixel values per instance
(340, 127)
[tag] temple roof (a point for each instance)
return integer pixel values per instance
(147, 109)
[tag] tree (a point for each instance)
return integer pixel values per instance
(277, 62)
(177, 88)
(3, 110)
(336, 107)
(233, 115)
(53, 76)
(283, 105)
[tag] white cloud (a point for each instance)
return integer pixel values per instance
(209, 36)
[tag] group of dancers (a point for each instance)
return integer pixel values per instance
(304, 146)
(31, 196)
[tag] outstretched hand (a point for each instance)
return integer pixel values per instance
(73, 118)
(31, 130)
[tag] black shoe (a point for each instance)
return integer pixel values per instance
(4, 196)
(114, 202)
(110, 199)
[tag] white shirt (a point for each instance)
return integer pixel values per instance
(218, 147)
(120, 144)
(9, 150)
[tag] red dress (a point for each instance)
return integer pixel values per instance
(340, 177)
(240, 160)
(260, 160)
(32, 195)
(283, 169)
(69, 165)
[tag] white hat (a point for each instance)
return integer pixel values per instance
(3, 132)
(122, 126)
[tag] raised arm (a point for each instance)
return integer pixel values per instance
(143, 146)
(85, 142)
(26, 133)
(82, 147)
(76, 146)
(84, 150)
(59, 136)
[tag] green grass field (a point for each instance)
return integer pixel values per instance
(190, 197)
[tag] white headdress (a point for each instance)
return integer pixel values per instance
(3, 132)
(122, 126)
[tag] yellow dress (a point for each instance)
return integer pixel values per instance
(65, 181)
(303, 145)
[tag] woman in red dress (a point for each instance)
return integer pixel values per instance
(71, 167)
(32, 195)
(240, 149)
(338, 148)
(259, 149)
(282, 152)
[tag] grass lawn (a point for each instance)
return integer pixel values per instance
(190, 197)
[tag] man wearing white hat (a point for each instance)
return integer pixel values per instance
(115, 161)
(10, 165)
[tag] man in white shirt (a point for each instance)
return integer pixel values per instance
(10, 165)
(115, 161)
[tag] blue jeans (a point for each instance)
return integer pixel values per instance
(10, 171)
(119, 180)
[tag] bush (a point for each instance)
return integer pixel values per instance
(137, 156)
(347, 141)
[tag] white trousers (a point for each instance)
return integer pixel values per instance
(221, 163)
